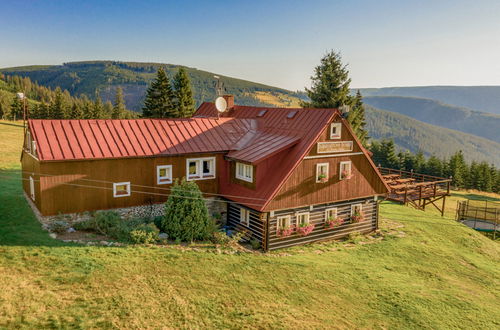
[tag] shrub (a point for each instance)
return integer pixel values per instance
(221, 238)
(103, 222)
(144, 234)
(58, 226)
(255, 244)
(186, 215)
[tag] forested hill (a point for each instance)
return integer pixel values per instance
(87, 77)
(411, 134)
(481, 98)
(437, 113)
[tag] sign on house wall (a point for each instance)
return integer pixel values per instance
(331, 147)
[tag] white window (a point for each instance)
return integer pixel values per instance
(322, 172)
(33, 148)
(356, 209)
(244, 216)
(28, 141)
(331, 214)
(282, 222)
(345, 171)
(302, 218)
(335, 131)
(32, 188)
(200, 168)
(121, 189)
(244, 172)
(164, 174)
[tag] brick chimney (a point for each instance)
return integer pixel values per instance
(230, 101)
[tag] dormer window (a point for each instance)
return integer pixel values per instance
(335, 131)
(244, 172)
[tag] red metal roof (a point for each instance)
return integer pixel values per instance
(97, 139)
(305, 126)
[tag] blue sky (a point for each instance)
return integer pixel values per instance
(385, 43)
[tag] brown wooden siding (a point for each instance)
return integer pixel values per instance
(31, 167)
(78, 186)
(257, 226)
(317, 216)
(301, 189)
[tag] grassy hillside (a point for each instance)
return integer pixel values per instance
(85, 77)
(411, 134)
(482, 98)
(420, 271)
(434, 112)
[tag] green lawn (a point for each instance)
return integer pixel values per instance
(425, 272)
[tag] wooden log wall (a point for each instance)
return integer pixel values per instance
(257, 226)
(317, 217)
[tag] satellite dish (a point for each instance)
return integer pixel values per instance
(220, 104)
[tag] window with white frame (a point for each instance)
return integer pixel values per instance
(335, 131)
(345, 170)
(356, 209)
(164, 174)
(244, 172)
(28, 141)
(331, 214)
(322, 172)
(200, 168)
(302, 218)
(33, 148)
(244, 216)
(32, 188)
(121, 189)
(282, 222)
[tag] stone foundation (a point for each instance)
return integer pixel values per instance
(216, 206)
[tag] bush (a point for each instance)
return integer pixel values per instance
(103, 222)
(58, 226)
(255, 244)
(220, 237)
(186, 215)
(144, 234)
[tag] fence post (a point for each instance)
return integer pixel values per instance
(406, 192)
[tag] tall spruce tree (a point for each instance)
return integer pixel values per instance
(458, 169)
(357, 118)
(159, 102)
(57, 106)
(97, 111)
(107, 110)
(119, 105)
(16, 109)
(330, 84)
(184, 102)
(76, 111)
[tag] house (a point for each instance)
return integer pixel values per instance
(273, 172)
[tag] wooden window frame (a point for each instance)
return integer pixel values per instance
(318, 166)
(288, 222)
(32, 188)
(166, 179)
(245, 216)
(338, 127)
(331, 209)
(199, 169)
(116, 184)
(244, 168)
(299, 214)
(353, 208)
(347, 162)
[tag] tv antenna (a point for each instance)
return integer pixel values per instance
(219, 86)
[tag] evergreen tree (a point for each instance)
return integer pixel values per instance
(57, 107)
(87, 108)
(16, 109)
(76, 111)
(388, 149)
(184, 102)
(159, 102)
(357, 118)
(119, 106)
(458, 169)
(330, 84)
(97, 111)
(44, 110)
(107, 110)
(35, 112)
(484, 180)
(186, 216)
(434, 166)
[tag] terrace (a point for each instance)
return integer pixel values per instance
(414, 189)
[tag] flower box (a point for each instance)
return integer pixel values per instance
(357, 217)
(333, 222)
(322, 178)
(285, 232)
(305, 229)
(346, 175)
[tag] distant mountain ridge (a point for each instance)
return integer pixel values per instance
(481, 98)
(134, 77)
(437, 113)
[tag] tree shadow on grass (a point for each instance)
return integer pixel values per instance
(11, 124)
(479, 197)
(18, 224)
